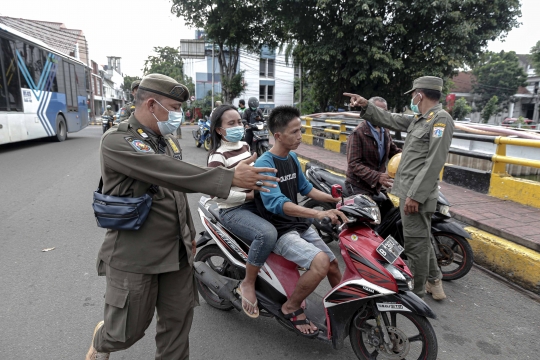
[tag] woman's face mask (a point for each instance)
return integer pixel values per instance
(172, 123)
(234, 134)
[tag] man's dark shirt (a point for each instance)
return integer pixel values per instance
(363, 159)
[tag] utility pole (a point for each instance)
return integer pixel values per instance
(300, 73)
(213, 71)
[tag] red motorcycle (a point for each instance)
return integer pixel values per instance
(373, 304)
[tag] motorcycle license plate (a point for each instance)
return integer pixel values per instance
(260, 133)
(390, 249)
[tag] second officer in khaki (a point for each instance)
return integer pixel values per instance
(150, 269)
(429, 135)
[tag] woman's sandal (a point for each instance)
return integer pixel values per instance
(255, 305)
(292, 318)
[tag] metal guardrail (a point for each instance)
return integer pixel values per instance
(499, 159)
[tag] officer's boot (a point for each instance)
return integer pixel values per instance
(436, 290)
(93, 354)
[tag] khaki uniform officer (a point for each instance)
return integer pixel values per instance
(151, 268)
(429, 135)
(130, 106)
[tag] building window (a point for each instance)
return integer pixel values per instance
(266, 93)
(266, 68)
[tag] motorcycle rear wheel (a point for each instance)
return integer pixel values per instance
(198, 139)
(317, 205)
(412, 335)
(458, 256)
(214, 257)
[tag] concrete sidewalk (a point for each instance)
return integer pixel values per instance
(505, 235)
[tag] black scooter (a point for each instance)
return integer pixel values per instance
(449, 239)
(106, 122)
(259, 143)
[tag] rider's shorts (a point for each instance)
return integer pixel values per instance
(301, 250)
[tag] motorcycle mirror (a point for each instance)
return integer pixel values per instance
(337, 190)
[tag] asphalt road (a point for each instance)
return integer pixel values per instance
(51, 301)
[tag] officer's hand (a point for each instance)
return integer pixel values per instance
(357, 100)
(411, 206)
(193, 247)
(334, 215)
(385, 180)
(246, 176)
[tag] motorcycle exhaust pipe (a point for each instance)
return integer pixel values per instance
(221, 285)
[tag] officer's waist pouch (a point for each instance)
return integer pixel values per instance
(122, 213)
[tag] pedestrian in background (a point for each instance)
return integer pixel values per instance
(429, 135)
(151, 269)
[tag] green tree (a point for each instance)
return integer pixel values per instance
(498, 74)
(167, 61)
(535, 57)
(490, 109)
(378, 47)
(232, 25)
(128, 80)
(205, 104)
(461, 109)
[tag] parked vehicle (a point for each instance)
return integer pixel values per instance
(259, 144)
(514, 122)
(202, 134)
(449, 239)
(373, 304)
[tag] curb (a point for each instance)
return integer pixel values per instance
(512, 261)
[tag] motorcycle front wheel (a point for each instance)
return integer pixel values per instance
(412, 337)
(198, 139)
(456, 255)
(207, 143)
(218, 262)
(317, 205)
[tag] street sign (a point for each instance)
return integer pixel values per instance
(192, 98)
(188, 102)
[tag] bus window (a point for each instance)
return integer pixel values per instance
(38, 63)
(11, 75)
(68, 83)
(74, 86)
(52, 83)
(26, 68)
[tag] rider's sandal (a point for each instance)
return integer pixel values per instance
(255, 305)
(292, 317)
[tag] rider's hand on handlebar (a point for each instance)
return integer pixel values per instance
(335, 216)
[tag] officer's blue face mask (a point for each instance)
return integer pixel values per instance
(414, 108)
(234, 134)
(172, 123)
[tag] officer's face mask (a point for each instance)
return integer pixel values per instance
(172, 123)
(234, 134)
(414, 108)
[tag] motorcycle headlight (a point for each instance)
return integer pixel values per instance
(444, 209)
(398, 275)
(410, 284)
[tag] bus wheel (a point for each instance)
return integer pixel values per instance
(61, 129)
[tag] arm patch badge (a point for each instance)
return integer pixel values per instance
(139, 145)
(438, 131)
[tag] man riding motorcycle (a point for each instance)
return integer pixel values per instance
(110, 114)
(251, 115)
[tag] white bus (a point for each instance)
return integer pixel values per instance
(43, 93)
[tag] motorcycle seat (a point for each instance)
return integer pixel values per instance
(328, 177)
(214, 210)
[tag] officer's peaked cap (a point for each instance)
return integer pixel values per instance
(427, 82)
(164, 85)
(135, 84)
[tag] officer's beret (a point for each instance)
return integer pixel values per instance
(427, 82)
(164, 85)
(135, 84)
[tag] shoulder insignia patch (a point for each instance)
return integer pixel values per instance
(439, 125)
(142, 133)
(430, 116)
(173, 146)
(438, 131)
(139, 145)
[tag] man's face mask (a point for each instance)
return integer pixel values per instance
(172, 123)
(414, 108)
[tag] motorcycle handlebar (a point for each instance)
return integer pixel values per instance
(326, 221)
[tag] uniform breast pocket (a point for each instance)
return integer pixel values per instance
(420, 139)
